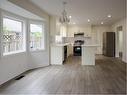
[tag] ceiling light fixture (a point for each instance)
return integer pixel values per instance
(109, 16)
(64, 19)
(70, 16)
(88, 20)
(74, 23)
(102, 22)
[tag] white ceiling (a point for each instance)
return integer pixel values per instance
(82, 10)
(8, 6)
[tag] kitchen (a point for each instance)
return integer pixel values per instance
(72, 40)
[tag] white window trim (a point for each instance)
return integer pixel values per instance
(16, 18)
(1, 33)
(26, 30)
(14, 52)
(42, 23)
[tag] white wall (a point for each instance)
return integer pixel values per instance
(122, 23)
(54, 28)
(126, 31)
(29, 6)
(97, 32)
(13, 65)
(38, 59)
(43, 56)
(8, 6)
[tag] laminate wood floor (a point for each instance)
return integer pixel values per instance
(108, 77)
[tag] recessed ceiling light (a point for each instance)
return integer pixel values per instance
(69, 23)
(88, 20)
(109, 16)
(70, 16)
(74, 23)
(102, 22)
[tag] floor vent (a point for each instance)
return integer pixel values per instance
(20, 77)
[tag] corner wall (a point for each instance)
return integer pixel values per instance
(122, 23)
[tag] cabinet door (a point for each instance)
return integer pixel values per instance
(65, 53)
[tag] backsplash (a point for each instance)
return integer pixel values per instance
(86, 40)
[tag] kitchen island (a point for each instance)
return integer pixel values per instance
(88, 54)
(58, 53)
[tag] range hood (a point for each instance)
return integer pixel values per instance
(78, 34)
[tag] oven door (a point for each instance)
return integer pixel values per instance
(77, 50)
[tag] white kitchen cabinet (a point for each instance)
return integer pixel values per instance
(57, 54)
(88, 54)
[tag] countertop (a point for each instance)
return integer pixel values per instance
(90, 45)
(60, 44)
(65, 44)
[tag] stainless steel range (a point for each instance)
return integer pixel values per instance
(77, 48)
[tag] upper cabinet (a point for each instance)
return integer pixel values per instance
(79, 29)
(57, 28)
(63, 30)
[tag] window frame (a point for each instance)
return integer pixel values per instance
(1, 33)
(15, 18)
(38, 22)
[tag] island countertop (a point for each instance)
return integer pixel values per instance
(90, 45)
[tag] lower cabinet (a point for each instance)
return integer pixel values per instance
(65, 53)
(58, 55)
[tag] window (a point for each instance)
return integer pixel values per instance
(36, 37)
(13, 36)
